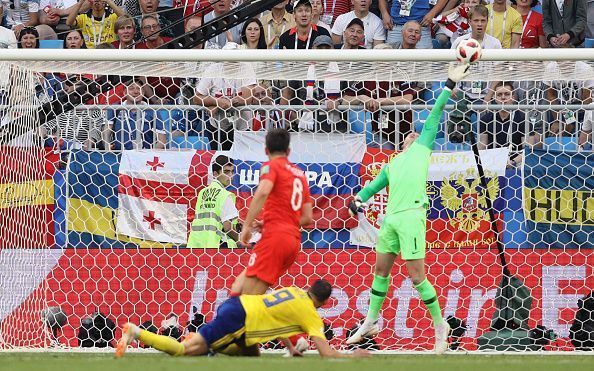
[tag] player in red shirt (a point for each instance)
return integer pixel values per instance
(283, 192)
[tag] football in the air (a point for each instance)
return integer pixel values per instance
(469, 51)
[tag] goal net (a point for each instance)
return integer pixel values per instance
(101, 162)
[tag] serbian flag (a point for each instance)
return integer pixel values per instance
(458, 214)
(156, 192)
(331, 164)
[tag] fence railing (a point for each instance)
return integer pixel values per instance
(180, 124)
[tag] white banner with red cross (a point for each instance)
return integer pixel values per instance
(155, 194)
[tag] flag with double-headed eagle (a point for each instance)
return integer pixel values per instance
(457, 214)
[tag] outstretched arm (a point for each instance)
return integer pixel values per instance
(326, 350)
(376, 185)
(429, 132)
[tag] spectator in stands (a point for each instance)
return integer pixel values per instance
(55, 12)
(505, 24)
(304, 33)
(29, 38)
(189, 122)
(299, 37)
(233, 35)
(276, 22)
(412, 32)
(20, 14)
(165, 89)
(532, 30)
(564, 92)
(411, 35)
(531, 92)
(409, 10)
(74, 40)
(475, 91)
(334, 8)
(353, 36)
(505, 127)
(197, 7)
(479, 18)
(221, 96)
(374, 27)
(193, 23)
(133, 128)
(317, 9)
(79, 129)
(151, 35)
(252, 35)
(7, 37)
(149, 7)
(269, 118)
(453, 23)
(564, 22)
(322, 92)
(97, 25)
(125, 28)
(589, 20)
(375, 96)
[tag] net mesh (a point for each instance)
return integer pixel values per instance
(96, 203)
(349, 71)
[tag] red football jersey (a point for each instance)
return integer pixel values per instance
(282, 210)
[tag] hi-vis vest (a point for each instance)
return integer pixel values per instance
(207, 227)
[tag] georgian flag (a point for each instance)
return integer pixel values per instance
(156, 192)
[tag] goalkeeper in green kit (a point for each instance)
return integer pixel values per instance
(404, 227)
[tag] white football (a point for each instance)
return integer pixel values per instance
(469, 51)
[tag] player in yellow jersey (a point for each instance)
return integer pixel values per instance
(248, 320)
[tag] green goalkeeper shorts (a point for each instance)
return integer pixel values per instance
(404, 233)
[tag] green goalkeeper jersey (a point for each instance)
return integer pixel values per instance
(406, 174)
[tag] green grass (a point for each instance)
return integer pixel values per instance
(158, 362)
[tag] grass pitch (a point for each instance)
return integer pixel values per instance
(159, 362)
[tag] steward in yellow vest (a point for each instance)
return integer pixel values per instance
(215, 222)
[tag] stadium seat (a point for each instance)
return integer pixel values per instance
(419, 125)
(197, 142)
(561, 143)
(360, 122)
(51, 44)
(589, 43)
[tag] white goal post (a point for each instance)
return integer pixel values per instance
(96, 202)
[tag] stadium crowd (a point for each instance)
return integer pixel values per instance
(307, 24)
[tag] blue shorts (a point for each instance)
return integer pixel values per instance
(227, 327)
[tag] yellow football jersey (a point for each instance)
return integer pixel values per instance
(97, 31)
(503, 25)
(280, 314)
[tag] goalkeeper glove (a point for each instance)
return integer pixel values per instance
(456, 73)
(356, 205)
